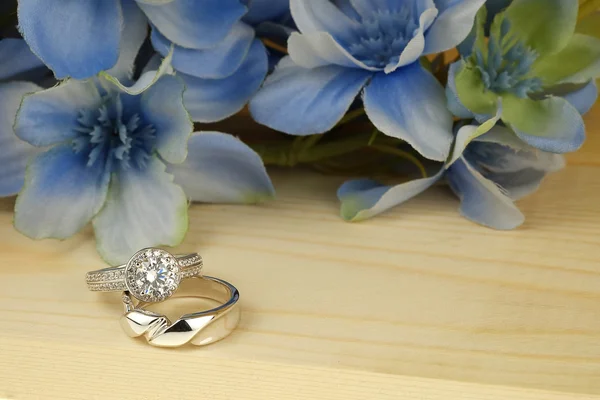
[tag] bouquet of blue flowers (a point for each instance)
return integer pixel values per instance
(108, 107)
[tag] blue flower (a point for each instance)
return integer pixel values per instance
(488, 175)
(117, 157)
(347, 45)
(216, 54)
(79, 39)
(18, 66)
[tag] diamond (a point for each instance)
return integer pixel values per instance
(152, 275)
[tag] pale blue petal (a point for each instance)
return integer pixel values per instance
(454, 104)
(50, 116)
(14, 153)
(266, 10)
(301, 101)
(584, 99)
(222, 169)
(513, 165)
(197, 24)
(144, 208)
(410, 104)
(366, 8)
(77, 38)
(162, 106)
(563, 132)
(211, 100)
(61, 193)
(347, 8)
(17, 59)
(414, 48)
(318, 49)
(134, 33)
(453, 24)
(313, 16)
(217, 62)
(482, 201)
(363, 199)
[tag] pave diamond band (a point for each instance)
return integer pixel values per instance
(151, 274)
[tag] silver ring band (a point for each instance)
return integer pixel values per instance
(113, 279)
(200, 328)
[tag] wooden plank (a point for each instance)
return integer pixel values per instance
(333, 310)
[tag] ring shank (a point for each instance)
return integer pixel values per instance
(199, 328)
(113, 279)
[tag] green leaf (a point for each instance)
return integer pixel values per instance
(544, 25)
(578, 62)
(472, 92)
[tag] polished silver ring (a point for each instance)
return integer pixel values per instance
(151, 275)
(199, 328)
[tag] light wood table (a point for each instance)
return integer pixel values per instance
(419, 304)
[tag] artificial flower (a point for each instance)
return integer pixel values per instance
(79, 39)
(534, 71)
(345, 46)
(217, 55)
(488, 175)
(106, 153)
(19, 69)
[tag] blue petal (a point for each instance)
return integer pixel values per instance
(454, 104)
(162, 106)
(17, 59)
(222, 169)
(584, 99)
(144, 208)
(415, 47)
(409, 104)
(217, 62)
(266, 10)
(197, 24)
(61, 194)
(211, 100)
(317, 49)
(301, 101)
(323, 16)
(50, 116)
(482, 201)
(366, 8)
(133, 35)
(77, 38)
(362, 199)
(347, 8)
(453, 24)
(14, 153)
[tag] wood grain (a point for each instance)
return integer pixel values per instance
(419, 304)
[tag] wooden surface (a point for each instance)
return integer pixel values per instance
(419, 304)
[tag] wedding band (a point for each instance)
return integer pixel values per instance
(199, 328)
(151, 275)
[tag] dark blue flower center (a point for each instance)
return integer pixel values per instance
(110, 133)
(382, 36)
(507, 67)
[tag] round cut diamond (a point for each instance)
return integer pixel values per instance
(152, 275)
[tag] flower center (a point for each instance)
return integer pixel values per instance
(113, 132)
(382, 36)
(507, 67)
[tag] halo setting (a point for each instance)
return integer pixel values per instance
(152, 275)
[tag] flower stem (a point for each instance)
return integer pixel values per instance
(272, 45)
(351, 116)
(403, 154)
